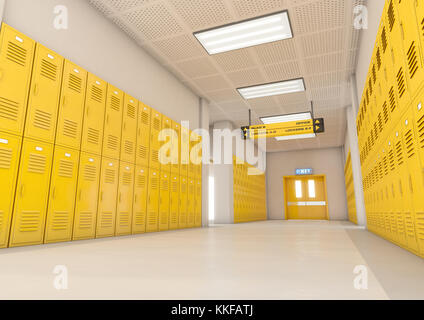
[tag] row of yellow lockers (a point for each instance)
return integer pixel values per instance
(390, 124)
(249, 192)
(50, 99)
(350, 190)
(78, 195)
(396, 74)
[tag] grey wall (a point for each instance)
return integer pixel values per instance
(324, 161)
(98, 45)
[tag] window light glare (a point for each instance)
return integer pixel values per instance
(245, 34)
(272, 89)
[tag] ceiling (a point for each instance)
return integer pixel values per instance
(323, 52)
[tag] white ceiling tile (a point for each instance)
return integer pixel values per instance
(223, 95)
(247, 77)
(326, 63)
(283, 71)
(234, 60)
(276, 52)
(179, 48)
(198, 67)
(323, 42)
(123, 5)
(253, 8)
(212, 83)
(102, 6)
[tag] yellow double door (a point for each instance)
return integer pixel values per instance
(306, 198)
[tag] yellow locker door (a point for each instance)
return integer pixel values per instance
(43, 103)
(10, 151)
(143, 135)
(106, 212)
(129, 129)
(174, 201)
(113, 123)
(71, 107)
(192, 156)
(164, 198)
(63, 185)
(140, 200)
(182, 223)
(125, 199)
(198, 205)
(155, 144)
(411, 43)
(16, 59)
(190, 203)
(176, 147)
(32, 194)
(184, 151)
(419, 7)
(165, 152)
(94, 115)
(87, 197)
(198, 170)
(153, 201)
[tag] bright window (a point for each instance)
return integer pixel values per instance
(311, 188)
(298, 185)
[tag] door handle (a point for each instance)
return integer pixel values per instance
(54, 193)
(63, 101)
(101, 196)
(35, 89)
(88, 108)
(22, 191)
(79, 195)
(135, 199)
(107, 119)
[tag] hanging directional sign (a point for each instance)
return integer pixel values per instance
(284, 129)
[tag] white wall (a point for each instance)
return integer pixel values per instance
(96, 44)
(324, 161)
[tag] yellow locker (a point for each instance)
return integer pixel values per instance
(140, 200)
(63, 186)
(174, 201)
(184, 151)
(155, 144)
(32, 194)
(411, 35)
(129, 129)
(193, 156)
(10, 152)
(125, 199)
(43, 103)
(106, 212)
(190, 203)
(113, 123)
(419, 7)
(182, 223)
(153, 201)
(71, 107)
(87, 197)
(143, 135)
(164, 198)
(16, 59)
(166, 153)
(94, 115)
(198, 204)
(176, 147)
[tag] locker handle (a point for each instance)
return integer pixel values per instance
(107, 119)
(101, 196)
(35, 89)
(79, 195)
(125, 125)
(63, 101)
(135, 198)
(21, 192)
(120, 197)
(88, 108)
(54, 193)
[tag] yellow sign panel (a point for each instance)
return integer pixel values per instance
(281, 129)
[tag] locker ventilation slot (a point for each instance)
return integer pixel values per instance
(42, 120)
(16, 54)
(139, 219)
(129, 147)
(90, 173)
(66, 169)
(391, 15)
(420, 125)
(115, 103)
(70, 129)
(419, 222)
(131, 111)
(380, 123)
(110, 176)
(93, 136)
(391, 160)
(164, 185)
(126, 178)
(96, 94)
(378, 57)
(384, 39)
(392, 100)
(145, 118)
(60, 221)
(374, 75)
(385, 112)
(155, 156)
(412, 60)
(5, 158)
(37, 163)
(141, 182)
(112, 142)
(48, 70)
(86, 220)
(9, 109)
(401, 82)
(30, 221)
(409, 143)
(106, 220)
(124, 219)
(156, 124)
(75, 83)
(142, 152)
(175, 187)
(399, 153)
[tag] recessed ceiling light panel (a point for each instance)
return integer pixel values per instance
(272, 89)
(287, 118)
(247, 33)
(300, 136)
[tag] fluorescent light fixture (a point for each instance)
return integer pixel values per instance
(289, 118)
(247, 33)
(272, 89)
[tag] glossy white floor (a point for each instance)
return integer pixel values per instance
(265, 260)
